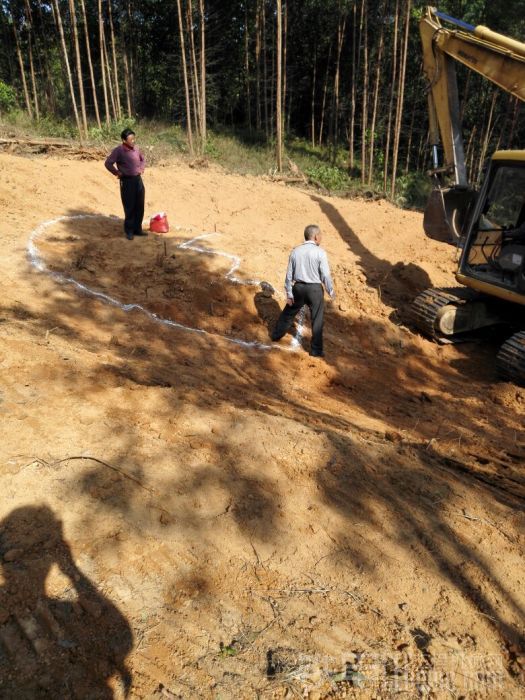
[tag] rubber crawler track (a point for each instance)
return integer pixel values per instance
(510, 361)
(427, 305)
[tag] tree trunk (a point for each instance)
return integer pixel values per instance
(68, 69)
(284, 60)
(392, 93)
(279, 78)
(49, 85)
(29, 18)
(132, 47)
(127, 82)
(102, 43)
(32, 73)
(185, 75)
(487, 137)
(286, 128)
(410, 136)
(258, 113)
(265, 71)
(313, 100)
(195, 77)
(325, 88)
(351, 159)
(110, 80)
(90, 63)
(273, 76)
(379, 60)
(469, 155)
(364, 117)
(247, 71)
(204, 129)
(80, 75)
(517, 107)
(400, 98)
(335, 101)
(29, 107)
(420, 159)
(115, 67)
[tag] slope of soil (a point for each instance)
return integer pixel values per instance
(188, 512)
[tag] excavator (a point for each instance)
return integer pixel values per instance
(488, 226)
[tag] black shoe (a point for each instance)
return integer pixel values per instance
(314, 353)
(140, 233)
(129, 236)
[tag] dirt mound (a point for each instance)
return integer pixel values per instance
(189, 512)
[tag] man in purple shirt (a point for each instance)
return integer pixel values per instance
(127, 163)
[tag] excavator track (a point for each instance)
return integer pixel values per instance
(427, 307)
(510, 361)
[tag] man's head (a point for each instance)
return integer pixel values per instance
(312, 233)
(128, 137)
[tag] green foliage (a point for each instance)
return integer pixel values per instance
(412, 190)
(212, 150)
(57, 128)
(240, 84)
(332, 177)
(111, 132)
(47, 126)
(7, 97)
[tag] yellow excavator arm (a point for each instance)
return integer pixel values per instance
(498, 58)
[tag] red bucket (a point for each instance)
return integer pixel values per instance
(159, 223)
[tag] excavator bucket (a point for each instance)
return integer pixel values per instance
(446, 213)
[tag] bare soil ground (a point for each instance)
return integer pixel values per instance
(186, 516)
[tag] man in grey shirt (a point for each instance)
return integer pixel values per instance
(307, 272)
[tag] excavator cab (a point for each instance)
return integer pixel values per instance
(494, 251)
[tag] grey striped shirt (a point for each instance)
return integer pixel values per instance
(308, 263)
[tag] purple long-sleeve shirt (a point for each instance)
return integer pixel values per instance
(129, 161)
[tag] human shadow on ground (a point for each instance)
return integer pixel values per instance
(213, 374)
(66, 645)
(268, 308)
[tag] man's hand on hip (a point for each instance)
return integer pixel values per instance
(290, 301)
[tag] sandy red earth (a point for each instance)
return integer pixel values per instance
(184, 515)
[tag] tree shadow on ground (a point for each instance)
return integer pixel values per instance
(397, 283)
(211, 373)
(65, 645)
(414, 514)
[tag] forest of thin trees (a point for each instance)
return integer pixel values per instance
(343, 75)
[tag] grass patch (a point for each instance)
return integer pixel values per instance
(238, 151)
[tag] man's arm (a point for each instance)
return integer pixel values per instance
(111, 161)
(288, 280)
(324, 273)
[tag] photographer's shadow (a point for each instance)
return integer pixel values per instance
(59, 647)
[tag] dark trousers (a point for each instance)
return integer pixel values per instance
(132, 195)
(313, 296)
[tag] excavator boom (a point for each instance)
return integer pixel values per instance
(498, 58)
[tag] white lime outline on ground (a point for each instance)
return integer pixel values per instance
(38, 263)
